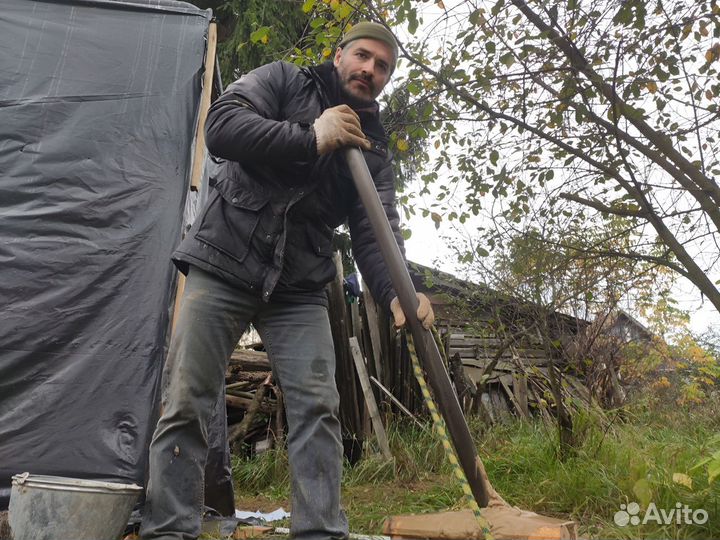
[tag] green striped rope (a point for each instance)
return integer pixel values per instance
(441, 430)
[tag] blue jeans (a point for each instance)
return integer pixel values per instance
(213, 316)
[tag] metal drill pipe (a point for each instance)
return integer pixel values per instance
(424, 343)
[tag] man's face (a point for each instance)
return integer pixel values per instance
(364, 67)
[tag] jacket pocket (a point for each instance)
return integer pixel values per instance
(230, 219)
(320, 243)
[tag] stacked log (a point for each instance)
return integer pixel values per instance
(254, 402)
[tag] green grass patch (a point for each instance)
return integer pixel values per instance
(641, 454)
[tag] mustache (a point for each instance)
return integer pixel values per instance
(364, 78)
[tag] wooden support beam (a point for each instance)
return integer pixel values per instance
(199, 144)
(370, 398)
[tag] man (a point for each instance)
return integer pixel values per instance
(260, 252)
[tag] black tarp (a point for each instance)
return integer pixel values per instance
(98, 105)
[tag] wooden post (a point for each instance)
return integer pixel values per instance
(199, 145)
(344, 374)
(370, 398)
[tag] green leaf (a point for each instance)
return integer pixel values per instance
(261, 34)
(482, 252)
(475, 17)
(497, 7)
(412, 21)
(308, 5)
(490, 47)
(494, 156)
(507, 59)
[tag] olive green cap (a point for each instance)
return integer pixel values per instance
(371, 30)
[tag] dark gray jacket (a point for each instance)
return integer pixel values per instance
(269, 220)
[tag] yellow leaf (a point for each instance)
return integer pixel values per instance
(713, 53)
(326, 52)
(264, 39)
(682, 479)
(652, 86)
(402, 145)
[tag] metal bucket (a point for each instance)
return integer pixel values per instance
(56, 508)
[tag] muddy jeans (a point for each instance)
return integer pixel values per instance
(297, 337)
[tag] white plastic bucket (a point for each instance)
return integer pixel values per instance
(57, 508)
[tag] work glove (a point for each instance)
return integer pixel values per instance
(337, 127)
(424, 312)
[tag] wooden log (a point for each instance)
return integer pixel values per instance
(370, 399)
(247, 378)
(244, 404)
(247, 360)
(238, 432)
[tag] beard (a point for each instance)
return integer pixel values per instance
(353, 99)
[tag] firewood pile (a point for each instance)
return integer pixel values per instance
(254, 402)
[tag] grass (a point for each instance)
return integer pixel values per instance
(631, 455)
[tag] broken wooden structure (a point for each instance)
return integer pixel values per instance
(500, 353)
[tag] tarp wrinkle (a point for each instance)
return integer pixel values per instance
(98, 103)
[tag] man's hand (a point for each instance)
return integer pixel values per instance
(424, 312)
(337, 127)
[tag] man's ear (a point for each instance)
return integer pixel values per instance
(338, 54)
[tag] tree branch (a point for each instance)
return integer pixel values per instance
(600, 207)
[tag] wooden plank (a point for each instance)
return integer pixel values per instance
(344, 371)
(504, 380)
(521, 392)
(371, 311)
(467, 340)
(197, 162)
(475, 352)
(355, 317)
(461, 525)
(476, 372)
(370, 398)
(205, 99)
